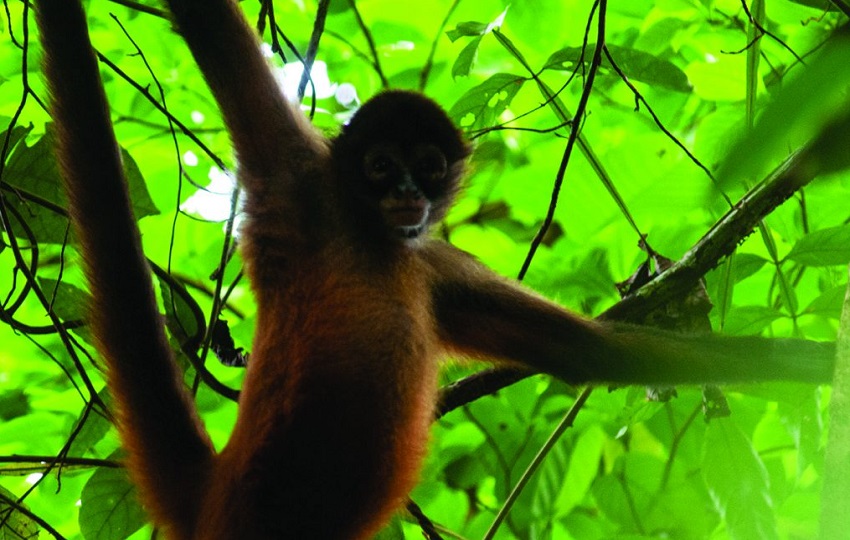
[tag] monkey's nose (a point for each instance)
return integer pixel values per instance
(406, 188)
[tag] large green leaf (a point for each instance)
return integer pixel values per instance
(825, 247)
(638, 65)
(481, 106)
(737, 481)
(34, 173)
(109, 509)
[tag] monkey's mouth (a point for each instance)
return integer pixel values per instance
(409, 232)
(408, 216)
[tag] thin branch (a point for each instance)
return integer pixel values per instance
(768, 33)
(429, 62)
(31, 460)
(153, 101)
(138, 6)
(376, 61)
(19, 507)
(575, 127)
(566, 423)
(722, 239)
(428, 528)
(313, 47)
(639, 98)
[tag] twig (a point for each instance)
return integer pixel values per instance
(595, 62)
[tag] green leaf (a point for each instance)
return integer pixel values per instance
(481, 106)
(32, 170)
(92, 432)
(637, 65)
(750, 320)
(109, 508)
(813, 110)
(826, 247)
(34, 173)
(464, 61)
(737, 481)
(184, 320)
(475, 28)
(584, 466)
(468, 28)
(336, 7)
(18, 134)
(14, 403)
(69, 301)
(15, 525)
(465, 473)
(829, 303)
(746, 264)
(613, 501)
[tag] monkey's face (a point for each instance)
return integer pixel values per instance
(400, 159)
(410, 185)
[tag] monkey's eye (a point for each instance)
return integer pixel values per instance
(430, 163)
(378, 166)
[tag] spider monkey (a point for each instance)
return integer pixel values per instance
(355, 301)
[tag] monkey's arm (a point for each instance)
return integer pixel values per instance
(484, 316)
(282, 159)
(268, 133)
(168, 448)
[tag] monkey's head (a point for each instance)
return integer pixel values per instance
(402, 158)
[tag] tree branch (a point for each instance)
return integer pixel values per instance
(719, 242)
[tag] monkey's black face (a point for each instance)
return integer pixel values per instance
(408, 183)
(401, 159)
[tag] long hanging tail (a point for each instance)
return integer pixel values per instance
(169, 451)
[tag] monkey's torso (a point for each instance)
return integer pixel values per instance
(354, 363)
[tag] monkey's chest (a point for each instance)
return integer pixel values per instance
(342, 318)
(360, 343)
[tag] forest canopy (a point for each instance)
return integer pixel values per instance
(690, 155)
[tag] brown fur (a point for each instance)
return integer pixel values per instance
(335, 407)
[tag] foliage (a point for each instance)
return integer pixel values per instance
(678, 85)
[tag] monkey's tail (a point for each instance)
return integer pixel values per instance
(662, 357)
(169, 452)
